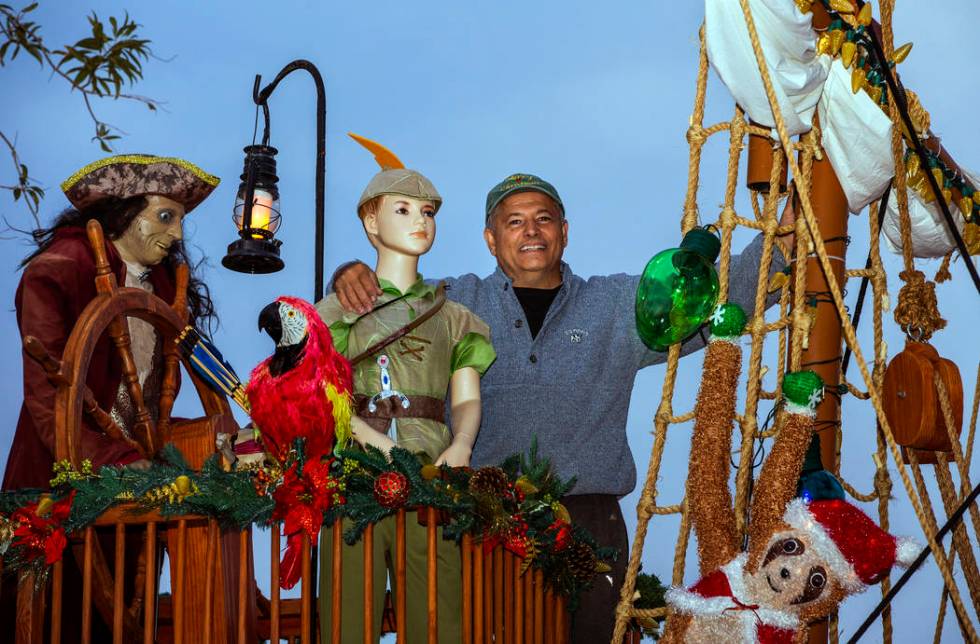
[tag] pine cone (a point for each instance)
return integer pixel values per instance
(581, 561)
(489, 481)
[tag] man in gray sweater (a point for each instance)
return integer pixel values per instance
(567, 354)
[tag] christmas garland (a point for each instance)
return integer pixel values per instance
(516, 505)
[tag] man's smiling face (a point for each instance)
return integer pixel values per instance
(528, 234)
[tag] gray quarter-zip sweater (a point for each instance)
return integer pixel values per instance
(571, 385)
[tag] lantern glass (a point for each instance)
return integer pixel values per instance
(265, 213)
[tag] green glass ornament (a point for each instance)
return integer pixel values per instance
(678, 290)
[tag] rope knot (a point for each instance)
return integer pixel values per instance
(917, 312)
(696, 134)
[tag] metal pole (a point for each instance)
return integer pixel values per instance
(261, 98)
(951, 523)
(898, 95)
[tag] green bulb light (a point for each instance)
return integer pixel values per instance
(678, 290)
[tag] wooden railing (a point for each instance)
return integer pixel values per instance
(499, 603)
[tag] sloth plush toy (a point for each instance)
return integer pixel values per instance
(803, 557)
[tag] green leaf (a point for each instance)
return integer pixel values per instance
(29, 8)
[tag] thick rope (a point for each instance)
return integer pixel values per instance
(804, 190)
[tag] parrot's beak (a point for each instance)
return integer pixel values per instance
(270, 322)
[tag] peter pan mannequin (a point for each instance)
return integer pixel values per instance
(402, 229)
(400, 387)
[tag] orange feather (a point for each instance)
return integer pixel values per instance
(385, 157)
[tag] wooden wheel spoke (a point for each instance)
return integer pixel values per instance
(143, 425)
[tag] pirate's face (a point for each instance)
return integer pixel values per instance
(153, 231)
(792, 574)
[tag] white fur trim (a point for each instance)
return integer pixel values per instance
(799, 517)
(802, 410)
(906, 551)
(686, 601)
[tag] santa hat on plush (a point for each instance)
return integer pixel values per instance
(858, 552)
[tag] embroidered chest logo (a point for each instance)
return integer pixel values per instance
(414, 346)
(576, 335)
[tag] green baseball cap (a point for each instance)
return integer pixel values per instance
(520, 183)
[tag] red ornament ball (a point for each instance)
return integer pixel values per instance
(391, 489)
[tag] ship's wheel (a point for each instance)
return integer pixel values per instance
(107, 315)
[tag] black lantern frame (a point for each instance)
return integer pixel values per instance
(257, 249)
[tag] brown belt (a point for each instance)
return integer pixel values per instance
(419, 407)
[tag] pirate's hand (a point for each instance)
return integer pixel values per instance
(357, 287)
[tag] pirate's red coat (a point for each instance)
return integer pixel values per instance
(56, 287)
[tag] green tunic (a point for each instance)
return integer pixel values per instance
(420, 363)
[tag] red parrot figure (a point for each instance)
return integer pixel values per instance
(303, 390)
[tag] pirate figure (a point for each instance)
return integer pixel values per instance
(411, 349)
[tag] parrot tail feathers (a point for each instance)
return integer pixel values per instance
(291, 565)
(343, 409)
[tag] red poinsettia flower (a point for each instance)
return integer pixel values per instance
(42, 534)
(301, 499)
(563, 534)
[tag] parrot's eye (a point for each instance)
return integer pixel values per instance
(291, 314)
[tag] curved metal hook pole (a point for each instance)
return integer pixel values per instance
(261, 97)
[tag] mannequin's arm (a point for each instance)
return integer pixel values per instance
(464, 391)
(366, 435)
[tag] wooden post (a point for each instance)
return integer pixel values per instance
(822, 351)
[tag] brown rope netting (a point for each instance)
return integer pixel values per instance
(792, 327)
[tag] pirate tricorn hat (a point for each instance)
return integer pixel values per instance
(132, 175)
(395, 178)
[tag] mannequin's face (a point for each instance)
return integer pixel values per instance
(402, 224)
(152, 232)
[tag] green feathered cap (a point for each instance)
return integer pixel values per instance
(134, 175)
(802, 391)
(728, 321)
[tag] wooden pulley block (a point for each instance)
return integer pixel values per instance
(911, 400)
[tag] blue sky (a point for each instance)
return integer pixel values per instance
(594, 97)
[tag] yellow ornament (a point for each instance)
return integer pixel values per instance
(524, 485)
(902, 52)
(966, 206)
(823, 44)
(561, 512)
(864, 15)
(805, 6)
(858, 76)
(602, 567)
(976, 197)
(836, 41)
(971, 237)
(912, 166)
(183, 485)
(44, 506)
(938, 174)
(842, 6)
(429, 471)
(947, 195)
(778, 281)
(874, 93)
(847, 52)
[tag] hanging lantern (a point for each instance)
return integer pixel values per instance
(256, 215)
(678, 290)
